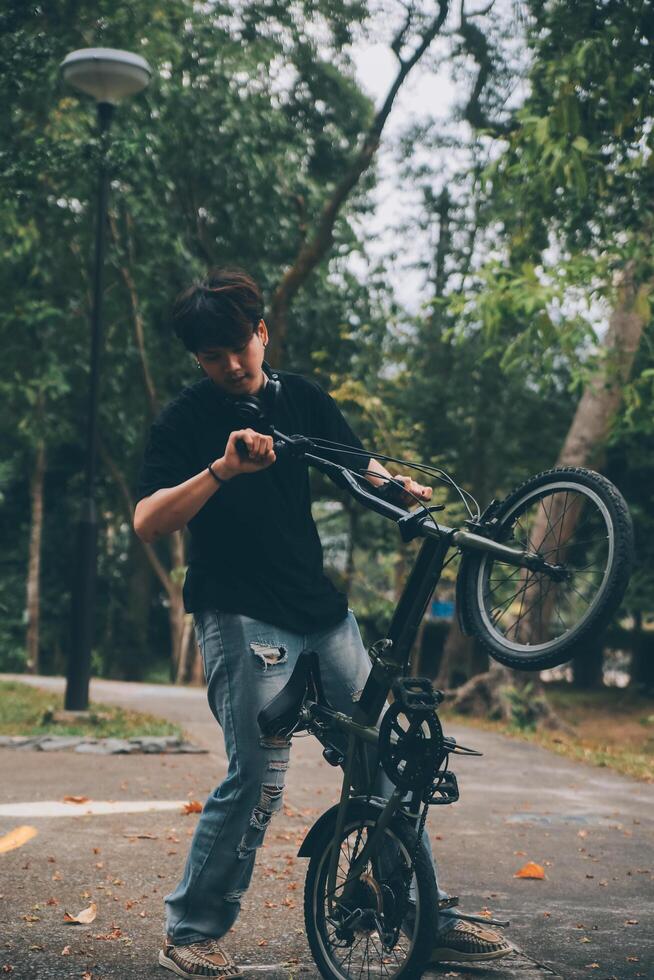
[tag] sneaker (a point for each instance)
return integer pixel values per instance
(470, 943)
(204, 959)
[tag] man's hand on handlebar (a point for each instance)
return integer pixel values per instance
(406, 497)
(247, 451)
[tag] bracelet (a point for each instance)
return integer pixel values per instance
(219, 480)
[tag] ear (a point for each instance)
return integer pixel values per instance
(262, 330)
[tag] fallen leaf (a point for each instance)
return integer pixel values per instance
(631, 922)
(115, 933)
(530, 870)
(262, 942)
(84, 917)
(633, 959)
(584, 939)
(87, 976)
(141, 836)
(77, 799)
(65, 951)
(7, 968)
(52, 901)
(520, 854)
(16, 838)
(193, 806)
(592, 966)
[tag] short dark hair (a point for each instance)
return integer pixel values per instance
(221, 310)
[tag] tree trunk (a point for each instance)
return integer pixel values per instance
(642, 658)
(352, 519)
(587, 668)
(188, 651)
(34, 560)
(179, 633)
(457, 654)
(502, 694)
(603, 393)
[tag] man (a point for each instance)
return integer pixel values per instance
(258, 593)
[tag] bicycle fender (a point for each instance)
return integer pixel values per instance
(460, 604)
(325, 824)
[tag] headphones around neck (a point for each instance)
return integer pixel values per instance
(254, 411)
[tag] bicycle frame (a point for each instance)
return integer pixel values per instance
(361, 726)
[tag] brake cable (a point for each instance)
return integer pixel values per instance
(436, 471)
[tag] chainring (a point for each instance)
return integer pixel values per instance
(411, 746)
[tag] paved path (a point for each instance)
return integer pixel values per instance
(591, 829)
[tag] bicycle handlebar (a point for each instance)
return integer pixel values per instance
(298, 446)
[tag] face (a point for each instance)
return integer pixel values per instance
(237, 370)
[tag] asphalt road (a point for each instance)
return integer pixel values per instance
(591, 830)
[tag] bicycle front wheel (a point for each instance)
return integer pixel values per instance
(361, 936)
(574, 519)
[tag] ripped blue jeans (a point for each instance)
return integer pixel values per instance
(247, 663)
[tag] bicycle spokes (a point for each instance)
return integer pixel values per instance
(361, 933)
(567, 529)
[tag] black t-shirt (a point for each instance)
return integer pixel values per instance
(255, 548)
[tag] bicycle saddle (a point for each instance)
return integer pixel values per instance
(280, 716)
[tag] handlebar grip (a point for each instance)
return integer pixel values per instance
(280, 448)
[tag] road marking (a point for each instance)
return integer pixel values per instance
(16, 838)
(55, 808)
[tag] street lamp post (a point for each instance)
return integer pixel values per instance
(109, 76)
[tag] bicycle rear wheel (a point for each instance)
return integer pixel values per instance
(352, 941)
(575, 519)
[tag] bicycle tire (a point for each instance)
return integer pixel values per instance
(423, 923)
(602, 510)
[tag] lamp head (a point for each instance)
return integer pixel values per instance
(108, 74)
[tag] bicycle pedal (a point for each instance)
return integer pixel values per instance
(416, 694)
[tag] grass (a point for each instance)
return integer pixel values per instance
(613, 728)
(26, 710)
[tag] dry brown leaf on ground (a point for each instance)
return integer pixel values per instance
(193, 806)
(262, 942)
(87, 975)
(141, 836)
(77, 799)
(530, 870)
(65, 951)
(84, 917)
(115, 933)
